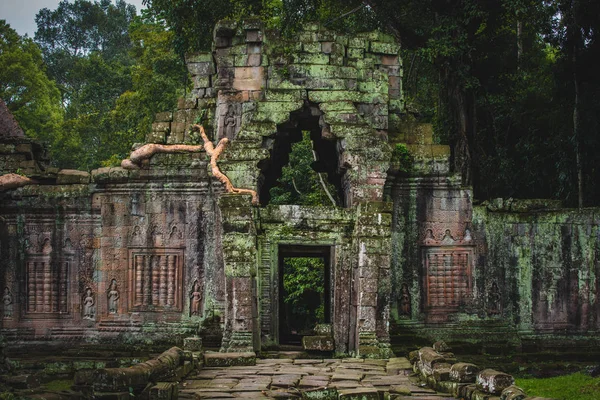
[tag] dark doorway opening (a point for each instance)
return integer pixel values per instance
(323, 157)
(304, 291)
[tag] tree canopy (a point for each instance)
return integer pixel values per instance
(29, 94)
(509, 84)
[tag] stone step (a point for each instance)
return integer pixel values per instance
(229, 359)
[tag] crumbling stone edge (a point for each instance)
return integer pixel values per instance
(156, 378)
(439, 369)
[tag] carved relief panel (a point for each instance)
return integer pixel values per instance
(447, 273)
(155, 279)
(47, 285)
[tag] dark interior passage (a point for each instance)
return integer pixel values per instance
(304, 295)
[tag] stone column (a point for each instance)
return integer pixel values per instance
(373, 237)
(239, 256)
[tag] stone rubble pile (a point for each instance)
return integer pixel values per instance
(439, 369)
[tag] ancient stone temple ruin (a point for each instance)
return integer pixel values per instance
(182, 239)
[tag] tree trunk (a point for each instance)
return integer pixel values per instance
(519, 42)
(575, 39)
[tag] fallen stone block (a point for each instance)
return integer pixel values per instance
(493, 382)
(441, 372)
(428, 357)
(192, 343)
(513, 393)
(229, 359)
(440, 346)
(137, 377)
(464, 372)
(413, 356)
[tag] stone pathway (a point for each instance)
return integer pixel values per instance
(309, 379)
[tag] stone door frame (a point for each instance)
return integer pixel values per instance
(301, 249)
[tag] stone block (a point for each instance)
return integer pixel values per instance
(72, 176)
(493, 382)
(201, 68)
(356, 53)
(198, 57)
(192, 343)
(254, 36)
(513, 393)
(248, 78)
(464, 372)
(229, 359)
(200, 81)
(166, 116)
(384, 48)
(318, 343)
(428, 357)
(441, 372)
(164, 391)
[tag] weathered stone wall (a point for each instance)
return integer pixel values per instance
(124, 253)
(531, 268)
(539, 268)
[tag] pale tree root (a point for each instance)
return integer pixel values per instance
(214, 154)
(13, 181)
(148, 150)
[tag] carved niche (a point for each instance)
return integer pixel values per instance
(46, 280)
(155, 279)
(447, 274)
(230, 119)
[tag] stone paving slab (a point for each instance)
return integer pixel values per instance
(309, 379)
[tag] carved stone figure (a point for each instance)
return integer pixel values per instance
(89, 309)
(196, 299)
(113, 298)
(494, 300)
(7, 299)
(68, 247)
(429, 239)
(404, 301)
(46, 246)
(230, 123)
(467, 237)
(175, 233)
(447, 239)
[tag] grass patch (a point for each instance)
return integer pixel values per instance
(59, 385)
(578, 386)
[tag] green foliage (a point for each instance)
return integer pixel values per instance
(30, 95)
(158, 76)
(299, 183)
(193, 21)
(115, 72)
(402, 158)
(303, 284)
(577, 386)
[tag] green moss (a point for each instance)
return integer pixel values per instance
(577, 386)
(59, 385)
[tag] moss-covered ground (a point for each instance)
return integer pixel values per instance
(578, 386)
